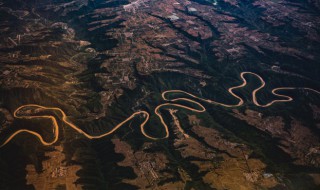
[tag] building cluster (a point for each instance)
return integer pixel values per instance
(147, 169)
(60, 171)
(134, 5)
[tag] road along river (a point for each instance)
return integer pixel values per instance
(146, 116)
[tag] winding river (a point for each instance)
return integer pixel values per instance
(146, 115)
